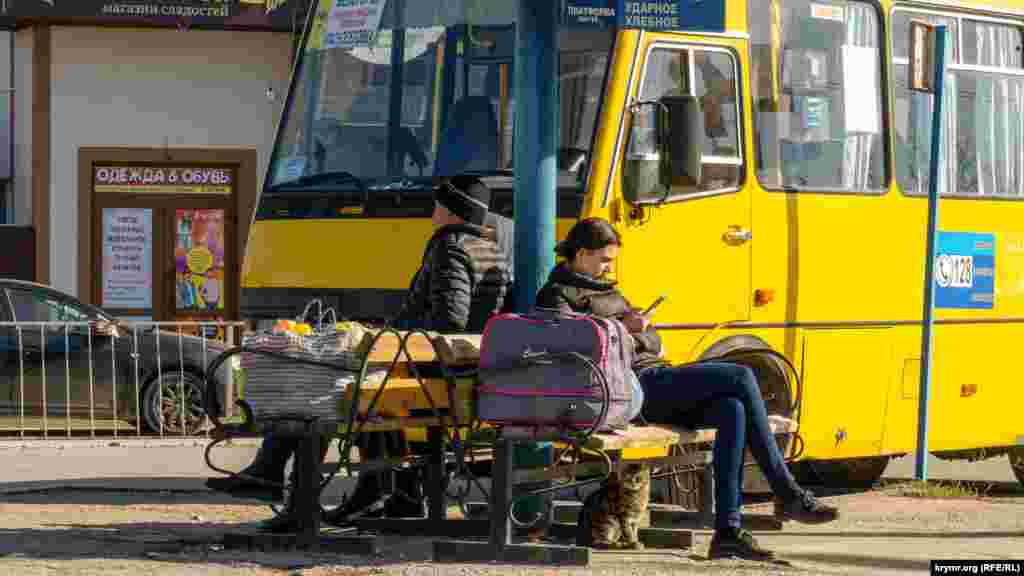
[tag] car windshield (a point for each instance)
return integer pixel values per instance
(393, 94)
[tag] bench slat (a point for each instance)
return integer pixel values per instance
(452, 349)
(654, 436)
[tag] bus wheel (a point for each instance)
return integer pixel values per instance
(851, 473)
(1017, 462)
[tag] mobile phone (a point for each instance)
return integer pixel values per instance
(654, 305)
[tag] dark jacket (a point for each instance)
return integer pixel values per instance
(568, 291)
(462, 282)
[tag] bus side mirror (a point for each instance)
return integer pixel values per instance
(664, 148)
(644, 173)
(685, 138)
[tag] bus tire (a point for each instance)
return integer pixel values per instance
(849, 473)
(772, 374)
(1016, 455)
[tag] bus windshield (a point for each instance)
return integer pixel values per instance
(395, 94)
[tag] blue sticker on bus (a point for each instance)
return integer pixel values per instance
(965, 270)
(652, 15)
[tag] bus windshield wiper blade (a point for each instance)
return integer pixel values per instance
(485, 173)
(321, 179)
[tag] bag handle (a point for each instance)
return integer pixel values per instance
(334, 320)
(309, 305)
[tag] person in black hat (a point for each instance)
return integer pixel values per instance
(462, 281)
(464, 276)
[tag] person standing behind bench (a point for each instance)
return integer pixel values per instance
(720, 395)
(462, 281)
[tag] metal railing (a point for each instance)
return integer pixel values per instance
(130, 379)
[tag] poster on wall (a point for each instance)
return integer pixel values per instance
(127, 258)
(199, 260)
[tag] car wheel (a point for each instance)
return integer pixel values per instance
(163, 400)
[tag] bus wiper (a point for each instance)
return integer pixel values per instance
(485, 173)
(321, 179)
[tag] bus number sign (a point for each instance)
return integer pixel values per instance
(965, 266)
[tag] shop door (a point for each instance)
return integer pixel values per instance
(167, 261)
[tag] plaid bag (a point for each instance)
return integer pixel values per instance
(279, 388)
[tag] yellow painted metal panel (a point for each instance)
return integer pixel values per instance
(846, 378)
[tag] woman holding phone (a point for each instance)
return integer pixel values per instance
(720, 395)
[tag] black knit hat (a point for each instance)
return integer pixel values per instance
(466, 197)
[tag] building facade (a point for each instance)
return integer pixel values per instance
(139, 134)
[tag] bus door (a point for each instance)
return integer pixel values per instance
(691, 241)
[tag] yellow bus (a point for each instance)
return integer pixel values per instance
(795, 220)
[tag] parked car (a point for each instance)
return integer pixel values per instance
(95, 369)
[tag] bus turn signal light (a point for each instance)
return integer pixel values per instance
(763, 296)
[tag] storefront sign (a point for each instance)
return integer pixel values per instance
(163, 180)
(128, 8)
(654, 15)
(353, 23)
(128, 258)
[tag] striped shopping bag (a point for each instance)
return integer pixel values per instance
(286, 387)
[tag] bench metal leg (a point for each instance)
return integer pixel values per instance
(499, 547)
(304, 513)
(435, 475)
(306, 497)
(501, 496)
(437, 522)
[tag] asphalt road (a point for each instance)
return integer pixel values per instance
(879, 533)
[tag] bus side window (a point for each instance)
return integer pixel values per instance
(710, 75)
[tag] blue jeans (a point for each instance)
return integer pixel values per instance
(725, 397)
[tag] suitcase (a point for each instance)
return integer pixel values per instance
(555, 371)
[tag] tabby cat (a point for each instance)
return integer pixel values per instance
(611, 516)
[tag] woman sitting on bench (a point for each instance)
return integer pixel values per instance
(720, 395)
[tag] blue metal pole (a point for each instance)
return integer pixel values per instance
(536, 145)
(535, 89)
(935, 169)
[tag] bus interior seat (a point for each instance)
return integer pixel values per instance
(471, 140)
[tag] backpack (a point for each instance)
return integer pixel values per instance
(553, 370)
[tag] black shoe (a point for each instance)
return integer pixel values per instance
(805, 508)
(281, 524)
(343, 515)
(737, 543)
(402, 506)
(242, 488)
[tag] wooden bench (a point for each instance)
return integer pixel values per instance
(405, 397)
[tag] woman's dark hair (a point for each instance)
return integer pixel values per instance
(589, 233)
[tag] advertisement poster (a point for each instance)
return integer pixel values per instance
(965, 270)
(127, 258)
(199, 260)
(353, 23)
